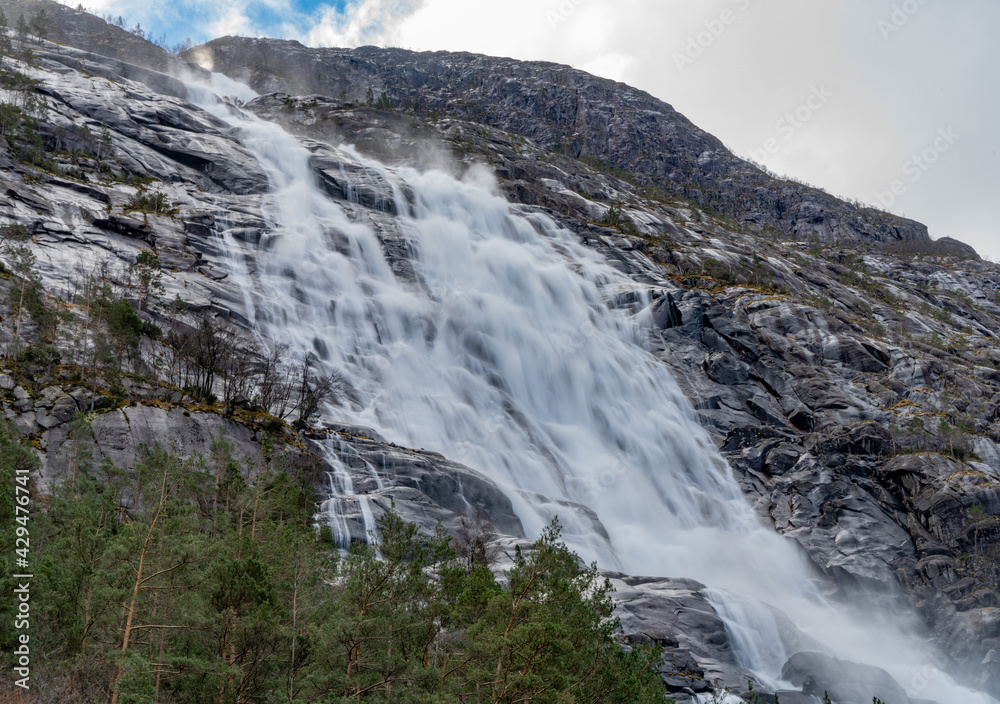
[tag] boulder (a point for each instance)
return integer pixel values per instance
(846, 682)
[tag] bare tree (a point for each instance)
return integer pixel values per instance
(476, 540)
(316, 389)
(238, 368)
(178, 351)
(274, 393)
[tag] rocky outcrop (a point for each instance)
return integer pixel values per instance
(676, 615)
(565, 111)
(850, 378)
(85, 31)
(421, 486)
(845, 682)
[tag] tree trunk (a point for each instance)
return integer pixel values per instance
(137, 586)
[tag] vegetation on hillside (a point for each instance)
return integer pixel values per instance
(203, 579)
(115, 324)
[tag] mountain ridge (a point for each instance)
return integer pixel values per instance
(851, 385)
(565, 110)
(796, 209)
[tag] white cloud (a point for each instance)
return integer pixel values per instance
(365, 22)
(612, 65)
(233, 22)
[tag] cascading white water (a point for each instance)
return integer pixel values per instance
(757, 641)
(507, 356)
(333, 513)
(343, 497)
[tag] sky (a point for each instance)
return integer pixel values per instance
(891, 102)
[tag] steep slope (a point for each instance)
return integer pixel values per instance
(84, 31)
(565, 111)
(852, 385)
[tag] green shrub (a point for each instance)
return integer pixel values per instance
(156, 202)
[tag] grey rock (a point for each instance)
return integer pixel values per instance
(726, 369)
(23, 405)
(781, 459)
(846, 682)
(552, 105)
(46, 421)
(425, 487)
(355, 431)
(680, 672)
(26, 424)
(786, 696)
(653, 637)
(119, 434)
(48, 396)
(64, 408)
(703, 653)
(812, 372)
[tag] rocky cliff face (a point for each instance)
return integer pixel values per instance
(846, 365)
(75, 28)
(852, 386)
(564, 111)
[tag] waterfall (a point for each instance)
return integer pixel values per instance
(757, 640)
(508, 354)
(343, 497)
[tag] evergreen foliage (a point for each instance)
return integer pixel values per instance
(202, 579)
(5, 45)
(149, 203)
(40, 23)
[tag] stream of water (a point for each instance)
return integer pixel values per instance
(507, 356)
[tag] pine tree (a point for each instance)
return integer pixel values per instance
(78, 588)
(22, 29)
(148, 280)
(550, 630)
(26, 281)
(40, 23)
(161, 548)
(411, 623)
(5, 47)
(124, 329)
(10, 120)
(202, 580)
(373, 644)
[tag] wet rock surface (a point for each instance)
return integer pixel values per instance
(846, 682)
(562, 110)
(423, 486)
(675, 615)
(852, 384)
